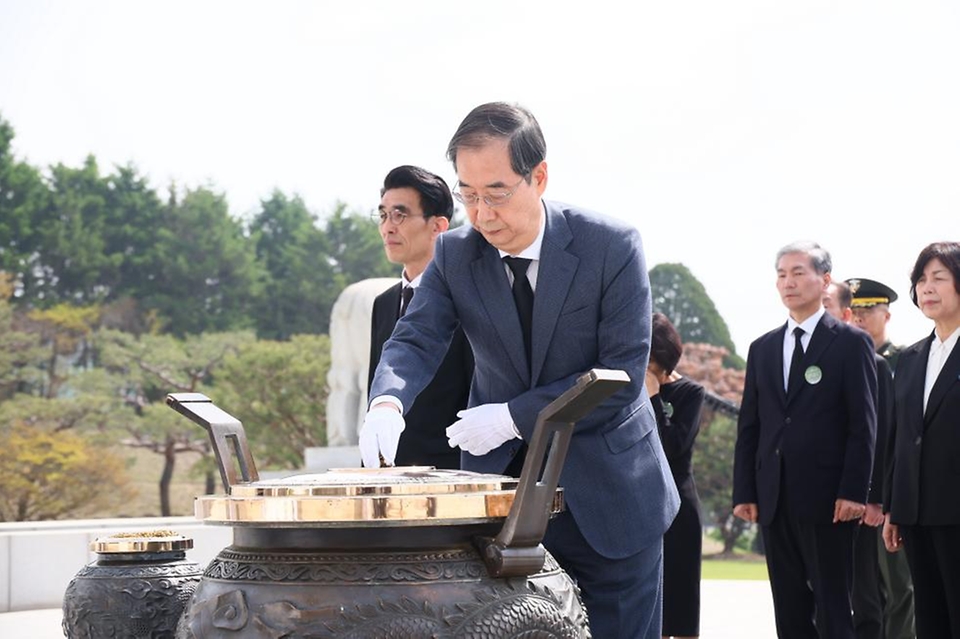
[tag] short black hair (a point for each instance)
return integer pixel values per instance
(948, 253)
(502, 121)
(665, 344)
(435, 198)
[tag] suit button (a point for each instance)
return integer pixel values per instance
(777, 452)
(788, 420)
(919, 439)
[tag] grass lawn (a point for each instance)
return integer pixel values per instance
(743, 565)
(734, 569)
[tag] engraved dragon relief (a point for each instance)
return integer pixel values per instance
(513, 608)
(141, 602)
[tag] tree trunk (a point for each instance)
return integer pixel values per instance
(731, 527)
(211, 476)
(52, 382)
(211, 485)
(729, 544)
(169, 461)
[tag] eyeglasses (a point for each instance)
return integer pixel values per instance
(396, 216)
(496, 197)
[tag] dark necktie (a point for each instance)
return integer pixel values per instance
(406, 294)
(795, 362)
(523, 297)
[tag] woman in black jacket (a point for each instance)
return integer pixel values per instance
(923, 464)
(677, 402)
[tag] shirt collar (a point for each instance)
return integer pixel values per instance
(948, 343)
(413, 284)
(808, 325)
(532, 252)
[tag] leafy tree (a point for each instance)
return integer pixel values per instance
(713, 461)
(47, 475)
(153, 366)
(64, 330)
(301, 287)
(52, 463)
(21, 355)
(207, 276)
(78, 237)
(356, 249)
(278, 391)
(22, 194)
(88, 411)
(73, 262)
(132, 214)
(682, 298)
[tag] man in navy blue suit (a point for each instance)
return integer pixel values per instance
(804, 451)
(544, 292)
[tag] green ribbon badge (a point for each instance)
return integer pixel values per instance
(813, 374)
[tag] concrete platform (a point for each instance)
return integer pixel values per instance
(730, 610)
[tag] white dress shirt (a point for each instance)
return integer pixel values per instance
(405, 283)
(531, 253)
(789, 340)
(939, 352)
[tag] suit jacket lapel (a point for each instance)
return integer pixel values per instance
(777, 361)
(554, 277)
(949, 375)
(390, 315)
(493, 291)
(394, 299)
(912, 366)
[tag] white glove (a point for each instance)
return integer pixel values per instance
(482, 428)
(380, 435)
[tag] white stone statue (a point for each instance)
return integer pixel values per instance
(350, 359)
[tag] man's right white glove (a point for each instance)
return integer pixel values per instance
(380, 435)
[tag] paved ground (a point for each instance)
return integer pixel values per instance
(730, 610)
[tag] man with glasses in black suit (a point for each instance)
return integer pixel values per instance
(415, 208)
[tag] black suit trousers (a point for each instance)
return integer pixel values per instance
(933, 553)
(811, 575)
(868, 597)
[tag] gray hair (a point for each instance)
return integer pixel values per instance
(500, 120)
(819, 256)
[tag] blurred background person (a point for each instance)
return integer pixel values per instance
(870, 304)
(416, 206)
(923, 472)
(871, 312)
(869, 589)
(677, 402)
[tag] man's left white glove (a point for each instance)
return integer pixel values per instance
(482, 428)
(380, 435)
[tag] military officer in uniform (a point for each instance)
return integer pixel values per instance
(871, 312)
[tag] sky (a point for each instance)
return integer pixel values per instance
(721, 130)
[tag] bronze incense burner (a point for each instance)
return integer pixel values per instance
(403, 552)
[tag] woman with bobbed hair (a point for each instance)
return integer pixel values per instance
(677, 402)
(922, 509)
